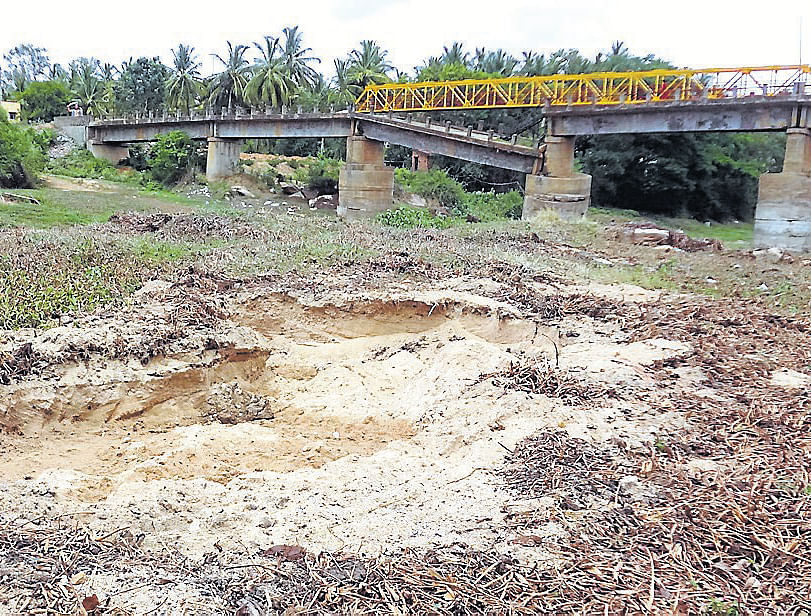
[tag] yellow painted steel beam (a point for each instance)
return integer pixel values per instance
(609, 88)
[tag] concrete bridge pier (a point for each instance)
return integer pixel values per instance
(222, 158)
(562, 189)
(114, 153)
(365, 184)
(783, 213)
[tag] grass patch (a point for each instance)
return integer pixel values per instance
(42, 279)
(407, 217)
(80, 163)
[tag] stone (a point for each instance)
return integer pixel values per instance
(324, 202)
(241, 191)
(288, 188)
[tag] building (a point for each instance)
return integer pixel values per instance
(12, 108)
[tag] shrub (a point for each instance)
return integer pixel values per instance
(489, 206)
(21, 156)
(321, 175)
(434, 184)
(173, 156)
(82, 164)
(406, 217)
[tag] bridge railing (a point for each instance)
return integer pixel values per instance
(610, 88)
(235, 113)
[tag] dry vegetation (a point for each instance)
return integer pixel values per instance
(708, 515)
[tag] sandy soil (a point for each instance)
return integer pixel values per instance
(349, 423)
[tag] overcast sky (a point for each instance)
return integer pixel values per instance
(688, 32)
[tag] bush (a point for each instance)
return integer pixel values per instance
(321, 175)
(173, 156)
(42, 100)
(406, 217)
(434, 184)
(21, 156)
(489, 206)
(82, 164)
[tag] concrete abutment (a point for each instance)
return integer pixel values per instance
(365, 184)
(111, 152)
(783, 213)
(562, 190)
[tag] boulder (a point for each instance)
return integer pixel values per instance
(240, 191)
(324, 202)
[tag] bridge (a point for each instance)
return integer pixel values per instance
(771, 98)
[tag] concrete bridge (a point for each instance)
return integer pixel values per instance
(783, 215)
(365, 184)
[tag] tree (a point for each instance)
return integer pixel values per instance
(185, 85)
(42, 100)
(455, 54)
(88, 89)
(368, 65)
(295, 59)
(20, 157)
(271, 83)
(28, 62)
(344, 92)
(227, 88)
(142, 86)
(171, 157)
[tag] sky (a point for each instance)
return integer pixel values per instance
(689, 33)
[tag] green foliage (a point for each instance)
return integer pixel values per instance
(321, 175)
(490, 206)
(721, 608)
(709, 177)
(142, 86)
(405, 217)
(42, 100)
(21, 156)
(434, 184)
(173, 156)
(80, 163)
(40, 281)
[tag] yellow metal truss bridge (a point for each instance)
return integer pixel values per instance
(620, 88)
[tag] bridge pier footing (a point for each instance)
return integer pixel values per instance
(113, 153)
(222, 158)
(365, 184)
(783, 213)
(563, 190)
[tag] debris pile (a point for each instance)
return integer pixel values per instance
(650, 234)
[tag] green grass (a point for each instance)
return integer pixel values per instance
(78, 207)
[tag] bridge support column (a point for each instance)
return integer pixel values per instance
(563, 190)
(420, 161)
(112, 152)
(365, 184)
(783, 213)
(222, 159)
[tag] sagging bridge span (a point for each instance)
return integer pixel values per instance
(771, 98)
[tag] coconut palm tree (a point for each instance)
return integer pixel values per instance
(343, 92)
(184, 86)
(227, 88)
(270, 84)
(368, 65)
(88, 90)
(497, 62)
(295, 58)
(455, 54)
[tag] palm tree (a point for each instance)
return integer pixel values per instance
(497, 62)
(368, 65)
(271, 84)
(295, 58)
(88, 90)
(227, 88)
(455, 54)
(343, 92)
(108, 71)
(184, 86)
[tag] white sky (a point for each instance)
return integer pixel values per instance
(687, 32)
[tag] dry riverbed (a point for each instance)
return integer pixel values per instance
(400, 435)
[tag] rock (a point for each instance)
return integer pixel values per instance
(309, 193)
(415, 200)
(289, 188)
(650, 236)
(324, 202)
(240, 191)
